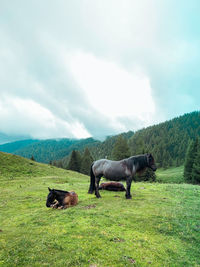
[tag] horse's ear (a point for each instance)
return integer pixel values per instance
(49, 189)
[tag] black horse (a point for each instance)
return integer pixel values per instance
(59, 199)
(119, 170)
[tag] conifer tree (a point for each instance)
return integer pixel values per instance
(75, 161)
(32, 158)
(195, 177)
(86, 162)
(189, 160)
(120, 149)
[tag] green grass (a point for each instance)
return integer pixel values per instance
(171, 175)
(160, 226)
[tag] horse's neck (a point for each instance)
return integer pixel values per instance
(142, 163)
(60, 196)
(138, 163)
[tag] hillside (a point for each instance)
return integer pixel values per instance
(159, 226)
(167, 141)
(47, 150)
(12, 166)
(11, 147)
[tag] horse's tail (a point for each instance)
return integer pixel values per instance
(92, 181)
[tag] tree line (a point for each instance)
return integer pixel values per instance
(192, 162)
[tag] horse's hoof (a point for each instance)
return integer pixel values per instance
(98, 196)
(128, 197)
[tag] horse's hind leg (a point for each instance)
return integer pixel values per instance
(97, 180)
(128, 187)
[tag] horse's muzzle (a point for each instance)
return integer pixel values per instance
(48, 205)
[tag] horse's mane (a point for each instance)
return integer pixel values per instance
(60, 191)
(140, 160)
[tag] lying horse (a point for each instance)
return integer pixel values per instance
(118, 170)
(112, 186)
(60, 199)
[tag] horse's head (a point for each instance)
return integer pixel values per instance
(151, 162)
(51, 197)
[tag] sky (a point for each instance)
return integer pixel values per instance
(95, 68)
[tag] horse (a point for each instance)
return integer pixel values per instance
(59, 199)
(124, 169)
(112, 186)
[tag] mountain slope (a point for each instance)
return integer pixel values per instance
(167, 141)
(13, 146)
(47, 150)
(5, 138)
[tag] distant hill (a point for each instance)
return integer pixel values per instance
(5, 138)
(47, 150)
(13, 146)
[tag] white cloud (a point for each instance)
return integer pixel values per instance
(25, 116)
(111, 90)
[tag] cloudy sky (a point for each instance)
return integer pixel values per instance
(79, 68)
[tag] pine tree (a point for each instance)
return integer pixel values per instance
(86, 162)
(120, 149)
(195, 177)
(189, 160)
(32, 158)
(75, 161)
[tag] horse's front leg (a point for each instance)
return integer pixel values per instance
(97, 180)
(128, 187)
(55, 205)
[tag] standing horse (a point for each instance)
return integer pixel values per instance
(118, 170)
(60, 199)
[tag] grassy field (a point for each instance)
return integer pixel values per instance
(171, 175)
(160, 226)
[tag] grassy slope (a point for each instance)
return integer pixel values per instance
(158, 227)
(15, 166)
(171, 175)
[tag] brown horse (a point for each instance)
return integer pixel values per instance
(59, 199)
(112, 186)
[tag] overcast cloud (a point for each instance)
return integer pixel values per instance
(96, 67)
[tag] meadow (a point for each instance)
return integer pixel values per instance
(159, 226)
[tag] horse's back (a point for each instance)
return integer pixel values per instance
(71, 199)
(99, 165)
(110, 169)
